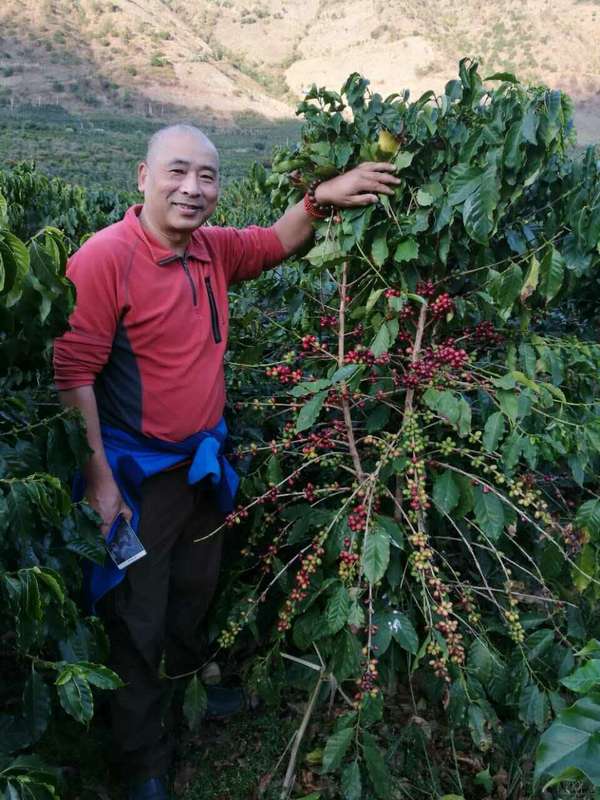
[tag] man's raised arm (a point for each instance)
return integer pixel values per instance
(358, 187)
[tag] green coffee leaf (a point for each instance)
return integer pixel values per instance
(552, 270)
(588, 517)
(493, 431)
(310, 411)
(375, 553)
(379, 249)
(194, 703)
(403, 632)
(446, 492)
(378, 772)
(584, 679)
(75, 695)
(351, 782)
(489, 512)
(534, 706)
(98, 675)
(572, 742)
(345, 659)
(407, 250)
(338, 609)
(36, 706)
(336, 748)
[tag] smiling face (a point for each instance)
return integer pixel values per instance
(180, 181)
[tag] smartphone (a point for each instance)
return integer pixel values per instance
(123, 544)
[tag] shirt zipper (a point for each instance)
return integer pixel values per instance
(186, 269)
(214, 316)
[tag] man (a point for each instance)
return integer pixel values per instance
(143, 361)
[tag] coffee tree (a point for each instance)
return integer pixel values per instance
(421, 491)
(33, 200)
(51, 654)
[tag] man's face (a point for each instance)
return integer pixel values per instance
(180, 182)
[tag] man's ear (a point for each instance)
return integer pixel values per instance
(142, 175)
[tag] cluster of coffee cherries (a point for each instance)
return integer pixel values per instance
(574, 539)
(524, 492)
(284, 374)
(309, 492)
(228, 636)
(361, 355)
(357, 518)
(309, 342)
(467, 603)
(367, 683)
(446, 626)
(288, 434)
(308, 566)
(486, 332)
(441, 306)
(454, 640)
(235, 517)
(421, 561)
(511, 614)
(421, 558)
(435, 360)
(328, 321)
(438, 661)
(515, 629)
(407, 312)
(270, 496)
(415, 484)
(448, 354)
(311, 346)
(425, 289)
(447, 446)
(348, 561)
(414, 443)
(268, 557)
(316, 442)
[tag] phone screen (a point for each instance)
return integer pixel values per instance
(123, 544)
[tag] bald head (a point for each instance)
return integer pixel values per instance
(164, 138)
(180, 181)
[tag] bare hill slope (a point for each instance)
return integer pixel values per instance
(226, 57)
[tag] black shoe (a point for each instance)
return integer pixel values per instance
(151, 789)
(223, 702)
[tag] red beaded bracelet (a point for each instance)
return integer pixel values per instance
(314, 209)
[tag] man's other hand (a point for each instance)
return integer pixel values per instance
(358, 187)
(105, 498)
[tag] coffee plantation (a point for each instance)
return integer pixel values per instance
(414, 410)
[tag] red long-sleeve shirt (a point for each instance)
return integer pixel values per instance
(149, 329)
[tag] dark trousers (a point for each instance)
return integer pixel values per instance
(157, 610)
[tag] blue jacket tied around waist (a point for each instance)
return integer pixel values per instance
(133, 458)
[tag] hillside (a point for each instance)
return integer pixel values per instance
(221, 58)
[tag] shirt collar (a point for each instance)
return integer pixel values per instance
(161, 254)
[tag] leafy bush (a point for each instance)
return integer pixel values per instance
(34, 201)
(421, 493)
(52, 655)
(159, 60)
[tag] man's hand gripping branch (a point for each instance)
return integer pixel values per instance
(360, 186)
